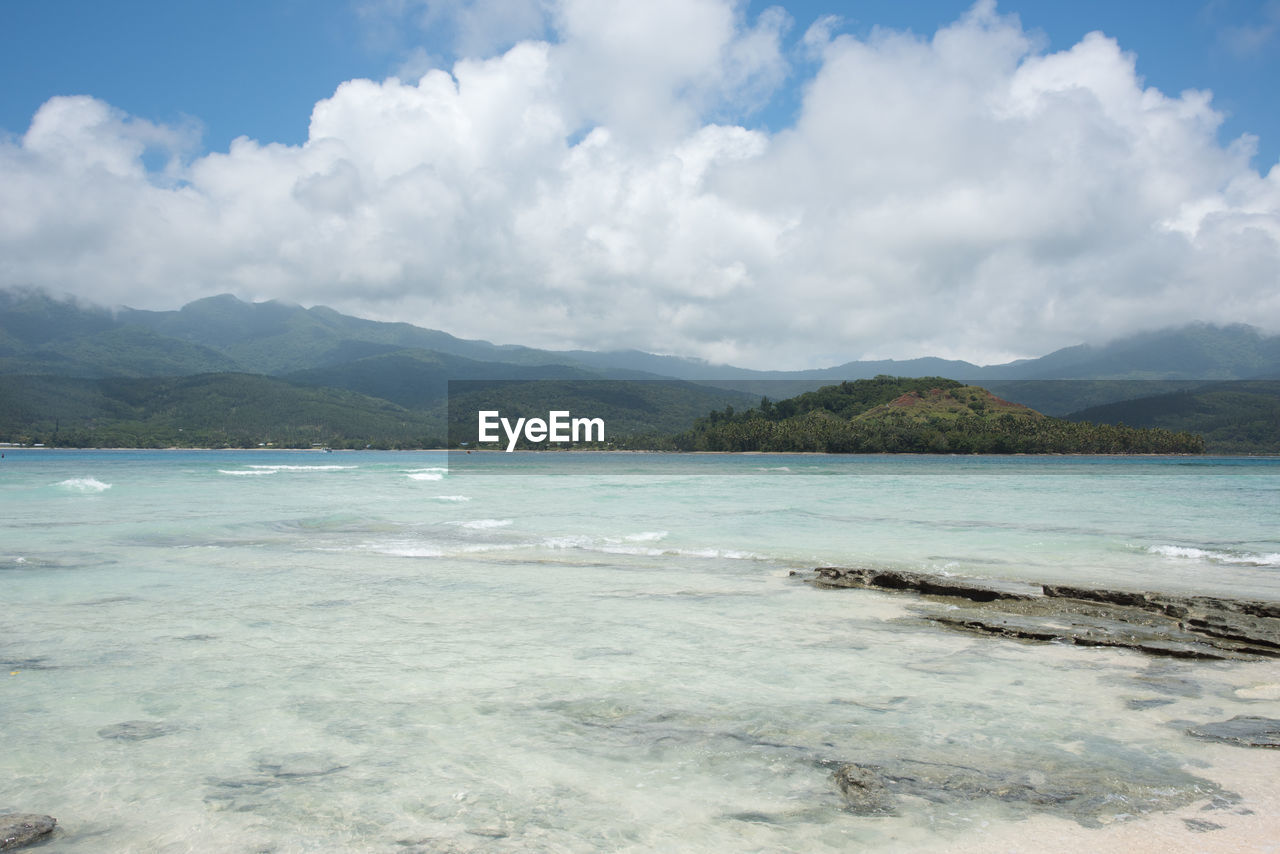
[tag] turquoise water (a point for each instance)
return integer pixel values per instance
(366, 652)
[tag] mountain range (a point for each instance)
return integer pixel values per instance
(42, 334)
(118, 354)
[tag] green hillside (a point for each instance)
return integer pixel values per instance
(208, 410)
(1233, 417)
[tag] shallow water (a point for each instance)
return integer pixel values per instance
(363, 651)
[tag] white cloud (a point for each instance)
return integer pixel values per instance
(965, 194)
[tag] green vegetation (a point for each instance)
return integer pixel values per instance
(1233, 417)
(929, 415)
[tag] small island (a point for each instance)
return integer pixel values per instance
(929, 415)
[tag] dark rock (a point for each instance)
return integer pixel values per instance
(915, 582)
(1197, 826)
(137, 730)
(864, 790)
(1192, 627)
(17, 829)
(298, 765)
(1246, 620)
(1243, 730)
(1147, 703)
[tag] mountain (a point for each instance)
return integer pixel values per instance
(278, 338)
(39, 334)
(1199, 351)
(410, 367)
(420, 378)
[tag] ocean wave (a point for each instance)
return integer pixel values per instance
(408, 551)
(84, 485)
(302, 468)
(245, 472)
(420, 550)
(1223, 556)
(608, 545)
(424, 475)
(457, 498)
(646, 537)
(482, 524)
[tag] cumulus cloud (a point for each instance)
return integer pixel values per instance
(963, 194)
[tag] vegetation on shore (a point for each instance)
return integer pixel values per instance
(203, 411)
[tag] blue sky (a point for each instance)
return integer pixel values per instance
(774, 185)
(241, 67)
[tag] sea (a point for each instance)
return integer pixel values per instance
(297, 651)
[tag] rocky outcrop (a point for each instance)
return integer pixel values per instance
(1153, 623)
(916, 582)
(17, 829)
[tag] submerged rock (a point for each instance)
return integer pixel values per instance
(1160, 624)
(137, 730)
(17, 829)
(864, 789)
(1089, 792)
(1244, 730)
(299, 765)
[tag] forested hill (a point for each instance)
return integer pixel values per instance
(923, 415)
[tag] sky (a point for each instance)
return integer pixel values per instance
(769, 185)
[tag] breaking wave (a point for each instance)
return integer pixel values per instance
(84, 485)
(249, 471)
(1223, 556)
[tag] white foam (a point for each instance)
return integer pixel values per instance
(452, 498)
(302, 468)
(607, 545)
(245, 472)
(409, 551)
(1234, 558)
(85, 485)
(646, 537)
(481, 524)
(424, 475)
(730, 554)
